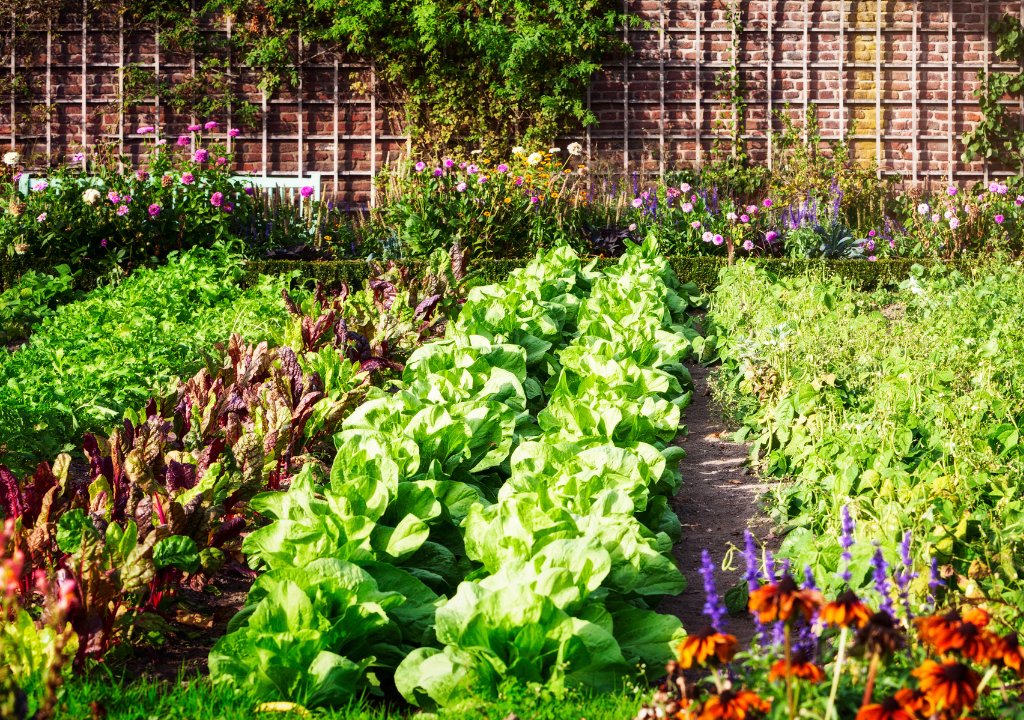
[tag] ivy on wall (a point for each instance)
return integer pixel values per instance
(998, 133)
(477, 72)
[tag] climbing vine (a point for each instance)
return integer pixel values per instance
(998, 133)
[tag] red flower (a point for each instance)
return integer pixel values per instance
(783, 600)
(1008, 651)
(845, 610)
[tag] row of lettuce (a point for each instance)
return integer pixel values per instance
(904, 406)
(501, 512)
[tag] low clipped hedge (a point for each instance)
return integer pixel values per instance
(701, 270)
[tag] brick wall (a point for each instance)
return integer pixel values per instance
(896, 76)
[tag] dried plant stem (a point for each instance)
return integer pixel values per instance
(869, 686)
(837, 672)
(789, 676)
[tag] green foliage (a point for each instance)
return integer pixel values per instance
(997, 134)
(92, 359)
(35, 297)
(916, 431)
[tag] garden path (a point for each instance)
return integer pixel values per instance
(717, 502)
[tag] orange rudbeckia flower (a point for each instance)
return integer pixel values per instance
(934, 626)
(800, 666)
(783, 600)
(889, 709)
(707, 644)
(730, 705)
(845, 610)
(915, 700)
(969, 637)
(950, 686)
(1008, 651)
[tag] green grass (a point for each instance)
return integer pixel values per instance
(200, 700)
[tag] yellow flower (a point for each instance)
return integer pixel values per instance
(554, 194)
(567, 170)
(327, 238)
(508, 199)
(484, 161)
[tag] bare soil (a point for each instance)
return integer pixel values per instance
(717, 502)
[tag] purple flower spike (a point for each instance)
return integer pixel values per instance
(769, 567)
(904, 578)
(713, 606)
(753, 573)
(846, 541)
(881, 577)
(809, 578)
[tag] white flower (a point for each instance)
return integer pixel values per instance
(732, 217)
(554, 150)
(474, 152)
(923, 209)
(41, 217)
(685, 187)
(518, 150)
(575, 149)
(534, 158)
(91, 196)
(11, 158)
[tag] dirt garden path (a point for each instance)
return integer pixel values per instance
(717, 502)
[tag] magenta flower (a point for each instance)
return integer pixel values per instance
(228, 207)
(249, 191)
(672, 193)
(502, 168)
(146, 130)
(438, 172)
(519, 181)
(201, 156)
(461, 187)
(534, 199)
(687, 207)
(695, 224)
(718, 239)
(954, 223)
(748, 245)
(81, 156)
(212, 125)
(142, 175)
(999, 219)
(103, 243)
(707, 236)
(195, 128)
(306, 192)
(993, 187)
(113, 197)
(951, 191)
(222, 161)
(449, 163)
(40, 186)
(234, 132)
(217, 199)
(472, 169)
(126, 199)
(1020, 200)
(872, 258)
(188, 178)
(161, 141)
(122, 210)
(482, 179)
(871, 233)
(767, 202)
(154, 210)
(771, 235)
(744, 218)
(184, 140)
(421, 166)
(637, 202)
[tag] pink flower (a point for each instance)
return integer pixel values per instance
(752, 209)
(632, 227)
(951, 191)
(999, 219)
(534, 199)
(935, 217)
(212, 125)
(448, 163)
(637, 202)
(672, 193)
(249, 191)
(519, 181)
(228, 207)
(770, 235)
(113, 197)
(1003, 189)
(482, 179)
(161, 141)
(217, 199)
(201, 156)
(41, 217)
(306, 192)
(472, 169)
(461, 187)
(146, 130)
(748, 245)
(718, 239)
(685, 187)
(871, 233)
(993, 187)
(1020, 200)
(122, 210)
(222, 161)
(502, 168)
(40, 186)
(154, 210)
(81, 156)
(954, 223)
(188, 178)
(695, 224)
(126, 199)
(421, 166)
(184, 140)
(195, 128)
(234, 132)
(767, 202)
(707, 236)
(438, 172)
(872, 258)
(142, 175)
(462, 166)
(687, 207)
(744, 218)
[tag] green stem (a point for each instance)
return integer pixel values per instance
(789, 677)
(837, 672)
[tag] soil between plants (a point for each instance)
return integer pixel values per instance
(717, 502)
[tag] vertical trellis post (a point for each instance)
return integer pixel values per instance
(373, 134)
(625, 89)
(878, 88)
(736, 69)
(14, 41)
(85, 137)
(299, 105)
(156, 77)
(589, 110)
(264, 119)
(49, 91)
(915, 151)
(336, 139)
(806, 54)
(231, 84)
(949, 91)
(984, 64)
(770, 80)
(842, 74)
(192, 69)
(120, 92)
(661, 89)
(698, 120)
